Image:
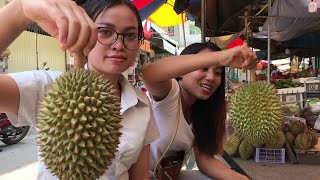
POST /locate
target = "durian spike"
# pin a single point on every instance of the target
(79, 60)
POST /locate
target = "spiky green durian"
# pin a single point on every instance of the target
(79, 122)
(246, 150)
(276, 141)
(290, 138)
(297, 127)
(232, 145)
(303, 141)
(314, 136)
(255, 112)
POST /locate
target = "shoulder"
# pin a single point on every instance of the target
(141, 96)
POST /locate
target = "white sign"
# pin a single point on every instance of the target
(169, 47)
(291, 98)
(313, 87)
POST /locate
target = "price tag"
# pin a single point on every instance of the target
(313, 87)
(291, 98)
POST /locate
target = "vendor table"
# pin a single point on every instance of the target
(269, 171)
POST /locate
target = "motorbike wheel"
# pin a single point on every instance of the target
(17, 138)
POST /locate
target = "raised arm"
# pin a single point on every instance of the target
(157, 75)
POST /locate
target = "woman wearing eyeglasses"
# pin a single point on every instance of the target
(110, 36)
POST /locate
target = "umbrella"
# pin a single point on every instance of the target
(164, 13)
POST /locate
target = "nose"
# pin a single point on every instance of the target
(210, 75)
(118, 45)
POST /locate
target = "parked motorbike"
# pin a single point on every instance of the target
(10, 134)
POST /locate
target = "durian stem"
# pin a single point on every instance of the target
(253, 75)
(79, 60)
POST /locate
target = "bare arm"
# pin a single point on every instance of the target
(12, 23)
(215, 169)
(9, 95)
(140, 169)
(157, 75)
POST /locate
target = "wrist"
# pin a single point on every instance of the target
(21, 18)
(222, 57)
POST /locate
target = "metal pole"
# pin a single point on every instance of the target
(37, 53)
(183, 31)
(203, 21)
(269, 40)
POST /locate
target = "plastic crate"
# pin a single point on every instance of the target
(269, 155)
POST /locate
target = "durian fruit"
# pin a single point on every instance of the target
(79, 122)
(303, 141)
(255, 112)
(276, 141)
(232, 145)
(314, 136)
(246, 150)
(285, 127)
(297, 127)
(290, 138)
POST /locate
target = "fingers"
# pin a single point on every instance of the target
(76, 31)
(249, 57)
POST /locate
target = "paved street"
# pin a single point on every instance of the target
(19, 161)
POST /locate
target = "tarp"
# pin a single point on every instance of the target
(291, 19)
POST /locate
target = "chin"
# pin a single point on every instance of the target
(204, 97)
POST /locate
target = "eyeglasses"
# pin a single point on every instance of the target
(108, 36)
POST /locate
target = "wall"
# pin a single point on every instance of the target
(24, 53)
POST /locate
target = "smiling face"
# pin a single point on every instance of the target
(201, 84)
(112, 60)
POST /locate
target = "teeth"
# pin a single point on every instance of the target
(206, 86)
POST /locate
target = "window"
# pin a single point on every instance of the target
(194, 30)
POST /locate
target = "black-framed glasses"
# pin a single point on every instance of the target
(108, 36)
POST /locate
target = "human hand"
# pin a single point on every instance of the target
(64, 20)
(239, 57)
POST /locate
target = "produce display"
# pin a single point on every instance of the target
(286, 83)
(79, 122)
(298, 135)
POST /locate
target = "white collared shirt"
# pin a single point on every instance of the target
(139, 127)
(167, 112)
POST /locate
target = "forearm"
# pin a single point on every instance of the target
(12, 23)
(214, 168)
(140, 169)
(217, 170)
(175, 66)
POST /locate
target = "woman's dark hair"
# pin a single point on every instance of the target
(208, 116)
(95, 7)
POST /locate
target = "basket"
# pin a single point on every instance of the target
(269, 155)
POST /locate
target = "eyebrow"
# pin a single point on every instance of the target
(113, 26)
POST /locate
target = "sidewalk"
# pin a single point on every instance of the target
(28, 172)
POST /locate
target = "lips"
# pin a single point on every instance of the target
(206, 88)
(117, 58)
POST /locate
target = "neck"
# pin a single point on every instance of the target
(187, 101)
(112, 78)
